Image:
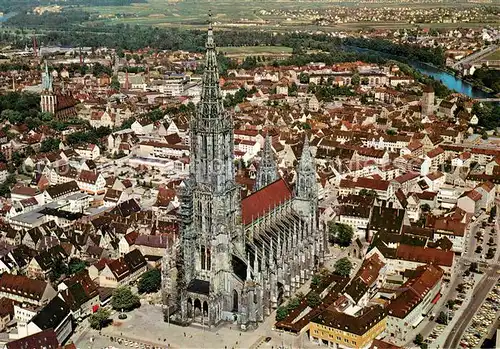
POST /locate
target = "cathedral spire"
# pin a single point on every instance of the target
(267, 172)
(211, 106)
(47, 79)
(212, 137)
(305, 158)
(210, 37)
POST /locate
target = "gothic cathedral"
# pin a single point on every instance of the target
(236, 259)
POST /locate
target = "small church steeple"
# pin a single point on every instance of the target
(47, 79)
(267, 172)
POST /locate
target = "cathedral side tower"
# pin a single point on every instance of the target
(267, 172)
(305, 185)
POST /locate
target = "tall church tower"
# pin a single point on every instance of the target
(211, 231)
(427, 101)
(267, 172)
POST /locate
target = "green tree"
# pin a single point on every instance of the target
(355, 79)
(115, 84)
(343, 267)
(124, 299)
(425, 208)
(150, 281)
(345, 235)
(49, 144)
(369, 193)
(46, 117)
(293, 304)
(99, 319)
(303, 78)
(341, 234)
(313, 299)
(442, 318)
(281, 313)
(316, 280)
(493, 213)
(419, 339)
(58, 270)
(76, 265)
(474, 267)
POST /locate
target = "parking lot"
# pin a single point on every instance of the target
(487, 314)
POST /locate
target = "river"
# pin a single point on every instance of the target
(450, 81)
(6, 16)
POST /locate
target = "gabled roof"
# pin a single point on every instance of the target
(126, 208)
(52, 315)
(80, 290)
(358, 325)
(425, 255)
(22, 286)
(58, 190)
(119, 269)
(131, 237)
(134, 260)
(46, 339)
(6, 307)
(414, 290)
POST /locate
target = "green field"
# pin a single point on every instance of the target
(495, 56)
(252, 50)
(230, 13)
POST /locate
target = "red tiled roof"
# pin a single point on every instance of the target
(415, 290)
(474, 195)
(22, 286)
(155, 241)
(364, 182)
(444, 224)
(425, 255)
(264, 200)
(435, 152)
(101, 264)
(119, 269)
(6, 307)
(88, 176)
(406, 177)
(46, 339)
(131, 237)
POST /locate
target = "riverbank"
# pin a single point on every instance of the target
(448, 79)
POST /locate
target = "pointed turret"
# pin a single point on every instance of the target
(267, 172)
(46, 79)
(306, 187)
(249, 269)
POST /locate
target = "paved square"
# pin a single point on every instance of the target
(145, 325)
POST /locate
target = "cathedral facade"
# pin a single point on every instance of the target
(236, 260)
